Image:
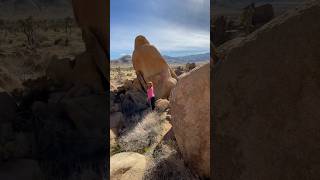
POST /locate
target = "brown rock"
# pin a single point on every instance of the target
(162, 105)
(128, 165)
(115, 108)
(190, 66)
(136, 85)
(148, 61)
(169, 136)
(80, 72)
(190, 111)
(92, 18)
(93, 15)
(179, 70)
(133, 102)
(267, 99)
(116, 120)
(113, 137)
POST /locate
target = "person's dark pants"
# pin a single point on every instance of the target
(153, 102)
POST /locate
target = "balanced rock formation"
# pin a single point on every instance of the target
(148, 62)
(190, 111)
(267, 99)
(128, 165)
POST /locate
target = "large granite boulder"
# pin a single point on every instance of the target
(190, 111)
(148, 62)
(266, 102)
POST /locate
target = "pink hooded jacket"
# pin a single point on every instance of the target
(150, 93)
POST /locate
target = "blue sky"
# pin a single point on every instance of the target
(175, 27)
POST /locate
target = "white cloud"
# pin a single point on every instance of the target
(166, 37)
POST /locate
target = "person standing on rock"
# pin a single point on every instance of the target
(151, 96)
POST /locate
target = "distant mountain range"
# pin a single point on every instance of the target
(171, 60)
(189, 58)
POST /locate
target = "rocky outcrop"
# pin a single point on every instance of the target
(128, 165)
(190, 111)
(179, 70)
(133, 102)
(148, 62)
(77, 73)
(92, 18)
(266, 101)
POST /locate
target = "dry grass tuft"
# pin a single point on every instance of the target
(142, 135)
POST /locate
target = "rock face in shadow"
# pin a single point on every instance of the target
(147, 60)
(8, 107)
(92, 17)
(262, 14)
(190, 111)
(267, 99)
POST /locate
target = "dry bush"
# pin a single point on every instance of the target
(29, 29)
(119, 75)
(142, 135)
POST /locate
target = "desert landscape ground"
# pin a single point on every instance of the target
(28, 45)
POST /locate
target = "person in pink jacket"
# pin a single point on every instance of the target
(151, 97)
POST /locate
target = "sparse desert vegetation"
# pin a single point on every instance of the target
(28, 45)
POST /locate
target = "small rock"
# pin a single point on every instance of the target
(162, 105)
(128, 165)
(116, 120)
